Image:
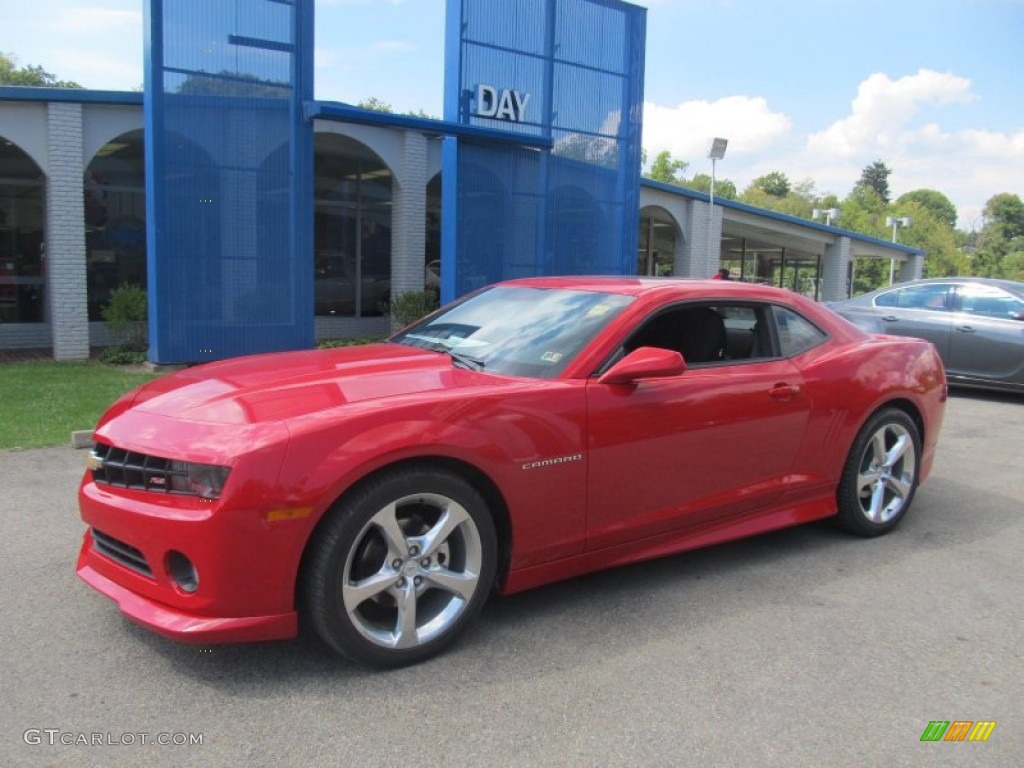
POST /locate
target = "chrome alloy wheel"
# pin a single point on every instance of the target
(888, 468)
(412, 571)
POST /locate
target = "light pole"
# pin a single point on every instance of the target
(895, 222)
(825, 213)
(716, 153)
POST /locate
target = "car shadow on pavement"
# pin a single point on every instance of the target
(610, 614)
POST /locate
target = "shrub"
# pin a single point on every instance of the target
(122, 355)
(353, 342)
(412, 305)
(125, 314)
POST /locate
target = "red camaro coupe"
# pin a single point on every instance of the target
(533, 431)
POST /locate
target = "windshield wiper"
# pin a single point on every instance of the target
(436, 344)
(464, 361)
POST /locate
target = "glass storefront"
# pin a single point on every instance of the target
(115, 219)
(22, 250)
(352, 229)
(657, 243)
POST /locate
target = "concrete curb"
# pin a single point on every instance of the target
(81, 438)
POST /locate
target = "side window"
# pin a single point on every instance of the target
(889, 299)
(930, 296)
(989, 301)
(705, 334)
(796, 333)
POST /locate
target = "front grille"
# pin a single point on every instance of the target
(122, 553)
(127, 469)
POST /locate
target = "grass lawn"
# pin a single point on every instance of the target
(42, 402)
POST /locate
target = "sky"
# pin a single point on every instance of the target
(817, 90)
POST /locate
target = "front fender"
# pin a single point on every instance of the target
(530, 444)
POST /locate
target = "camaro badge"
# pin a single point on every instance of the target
(551, 462)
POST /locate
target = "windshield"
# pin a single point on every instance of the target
(517, 330)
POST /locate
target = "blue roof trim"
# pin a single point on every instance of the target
(79, 95)
(784, 217)
(332, 110)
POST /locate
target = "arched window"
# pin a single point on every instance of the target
(22, 254)
(115, 219)
(352, 228)
(656, 243)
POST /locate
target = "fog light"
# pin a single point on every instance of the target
(182, 571)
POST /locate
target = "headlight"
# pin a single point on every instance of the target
(140, 471)
(203, 480)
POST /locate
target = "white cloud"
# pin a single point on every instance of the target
(686, 130)
(896, 120)
(884, 108)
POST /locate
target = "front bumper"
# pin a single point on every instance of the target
(246, 565)
(179, 625)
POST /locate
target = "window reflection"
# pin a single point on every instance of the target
(352, 233)
(115, 219)
(22, 256)
(518, 330)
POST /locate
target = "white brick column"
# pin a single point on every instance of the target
(911, 269)
(835, 270)
(691, 257)
(65, 233)
(409, 217)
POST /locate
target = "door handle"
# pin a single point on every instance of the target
(784, 392)
(965, 328)
(890, 318)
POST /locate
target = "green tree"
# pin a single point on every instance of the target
(379, 105)
(864, 212)
(940, 206)
(31, 75)
(1006, 212)
(226, 83)
(701, 182)
(667, 169)
(1000, 244)
(775, 184)
(375, 104)
(876, 177)
(934, 236)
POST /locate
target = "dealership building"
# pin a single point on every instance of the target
(259, 218)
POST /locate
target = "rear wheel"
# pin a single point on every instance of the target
(881, 474)
(400, 567)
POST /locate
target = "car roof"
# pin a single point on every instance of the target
(650, 286)
(1009, 285)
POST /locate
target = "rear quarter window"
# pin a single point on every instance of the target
(795, 332)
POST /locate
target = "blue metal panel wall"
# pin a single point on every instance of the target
(228, 177)
(516, 211)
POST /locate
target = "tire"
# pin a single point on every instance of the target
(400, 567)
(880, 476)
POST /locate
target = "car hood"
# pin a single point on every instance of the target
(279, 387)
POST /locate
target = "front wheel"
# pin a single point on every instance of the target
(881, 474)
(400, 567)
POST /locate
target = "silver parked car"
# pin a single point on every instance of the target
(976, 323)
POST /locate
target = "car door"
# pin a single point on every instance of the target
(715, 441)
(987, 342)
(923, 311)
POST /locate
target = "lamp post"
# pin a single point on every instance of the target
(895, 222)
(716, 152)
(825, 213)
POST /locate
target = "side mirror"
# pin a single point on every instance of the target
(644, 363)
(1017, 314)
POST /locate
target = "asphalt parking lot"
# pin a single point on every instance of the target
(804, 647)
